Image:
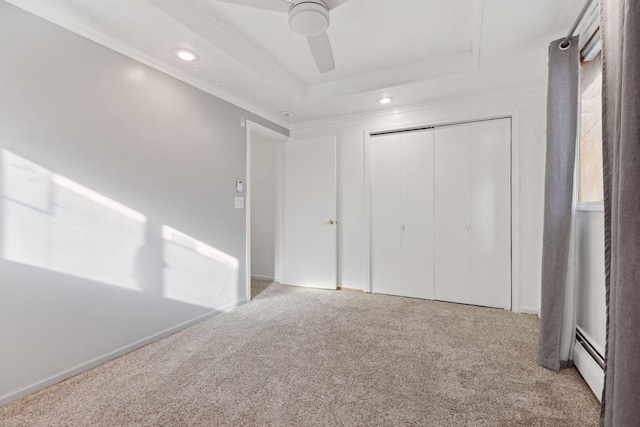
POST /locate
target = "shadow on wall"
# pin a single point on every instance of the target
(53, 223)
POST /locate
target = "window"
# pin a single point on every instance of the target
(590, 184)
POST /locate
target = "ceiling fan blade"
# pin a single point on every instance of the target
(332, 4)
(275, 5)
(322, 52)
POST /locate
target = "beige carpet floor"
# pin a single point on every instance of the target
(258, 286)
(303, 357)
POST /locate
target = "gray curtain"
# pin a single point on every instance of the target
(557, 319)
(621, 152)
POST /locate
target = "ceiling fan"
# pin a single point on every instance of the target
(309, 18)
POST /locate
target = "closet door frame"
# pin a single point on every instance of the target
(514, 116)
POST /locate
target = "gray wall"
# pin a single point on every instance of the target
(117, 216)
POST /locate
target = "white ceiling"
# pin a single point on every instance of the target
(379, 34)
(416, 51)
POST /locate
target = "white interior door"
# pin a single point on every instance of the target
(490, 241)
(452, 210)
(386, 214)
(417, 215)
(310, 211)
(473, 213)
(402, 214)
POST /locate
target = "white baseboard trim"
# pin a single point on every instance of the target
(39, 385)
(589, 369)
(258, 277)
(529, 310)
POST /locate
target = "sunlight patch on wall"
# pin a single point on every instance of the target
(98, 198)
(197, 273)
(54, 223)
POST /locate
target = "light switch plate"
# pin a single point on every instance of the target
(239, 202)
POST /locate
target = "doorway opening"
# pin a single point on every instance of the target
(264, 208)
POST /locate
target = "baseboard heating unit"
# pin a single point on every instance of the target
(590, 363)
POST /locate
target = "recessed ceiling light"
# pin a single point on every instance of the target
(186, 55)
(384, 100)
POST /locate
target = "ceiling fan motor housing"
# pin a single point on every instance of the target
(309, 18)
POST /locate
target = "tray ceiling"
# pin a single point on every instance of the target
(415, 51)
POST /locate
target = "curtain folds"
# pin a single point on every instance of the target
(557, 315)
(621, 152)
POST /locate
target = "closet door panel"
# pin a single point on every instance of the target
(386, 214)
(417, 211)
(452, 213)
(490, 220)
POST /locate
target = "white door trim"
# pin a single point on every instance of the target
(252, 127)
(511, 113)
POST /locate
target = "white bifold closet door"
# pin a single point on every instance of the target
(402, 253)
(441, 213)
(473, 213)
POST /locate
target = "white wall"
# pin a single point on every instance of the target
(117, 221)
(591, 315)
(591, 310)
(266, 157)
(528, 108)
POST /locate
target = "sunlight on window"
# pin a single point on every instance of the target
(590, 188)
(57, 224)
(197, 273)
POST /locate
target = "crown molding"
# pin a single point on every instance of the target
(536, 88)
(393, 77)
(49, 14)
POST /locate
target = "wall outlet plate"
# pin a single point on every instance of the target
(239, 202)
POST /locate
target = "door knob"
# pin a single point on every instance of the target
(331, 222)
